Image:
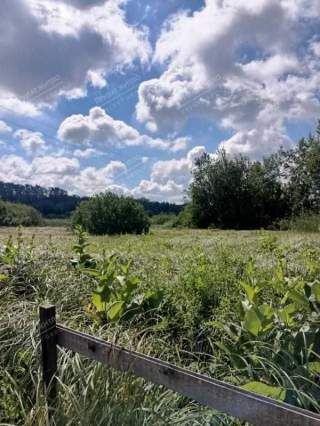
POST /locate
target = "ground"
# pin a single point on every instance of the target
(198, 274)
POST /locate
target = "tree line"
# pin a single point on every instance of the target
(238, 193)
(56, 202)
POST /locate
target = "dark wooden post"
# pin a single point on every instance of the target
(48, 336)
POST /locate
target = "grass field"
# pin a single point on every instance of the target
(199, 322)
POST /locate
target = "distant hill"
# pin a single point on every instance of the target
(56, 202)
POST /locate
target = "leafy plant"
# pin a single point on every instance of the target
(83, 259)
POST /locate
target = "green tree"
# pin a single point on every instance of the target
(301, 174)
(109, 213)
(235, 192)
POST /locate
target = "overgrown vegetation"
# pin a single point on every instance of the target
(13, 214)
(239, 193)
(111, 214)
(239, 306)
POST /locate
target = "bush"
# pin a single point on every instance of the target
(306, 222)
(184, 219)
(166, 220)
(12, 214)
(111, 214)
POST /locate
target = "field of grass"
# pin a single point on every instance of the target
(238, 306)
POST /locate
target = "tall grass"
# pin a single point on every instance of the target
(199, 273)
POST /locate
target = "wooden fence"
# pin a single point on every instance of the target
(226, 398)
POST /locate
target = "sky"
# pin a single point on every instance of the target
(125, 95)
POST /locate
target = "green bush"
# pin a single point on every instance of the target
(166, 220)
(184, 218)
(111, 214)
(12, 214)
(306, 222)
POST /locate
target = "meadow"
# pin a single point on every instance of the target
(240, 306)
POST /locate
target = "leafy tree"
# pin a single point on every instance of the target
(301, 174)
(235, 192)
(108, 213)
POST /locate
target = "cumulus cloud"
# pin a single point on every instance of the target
(99, 128)
(63, 172)
(4, 128)
(31, 142)
(244, 70)
(256, 142)
(84, 153)
(170, 191)
(169, 179)
(59, 46)
(47, 165)
(177, 170)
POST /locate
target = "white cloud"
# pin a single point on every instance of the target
(47, 165)
(99, 128)
(178, 171)
(31, 142)
(9, 103)
(69, 46)
(4, 128)
(245, 70)
(170, 191)
(96, 79)
(256, 142)
(63, 172)
(169, 179)
(84, 153)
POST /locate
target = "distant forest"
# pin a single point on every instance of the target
(56, 202)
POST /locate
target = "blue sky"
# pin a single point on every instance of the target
(125, 95)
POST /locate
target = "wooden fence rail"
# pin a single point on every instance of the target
(226, 398)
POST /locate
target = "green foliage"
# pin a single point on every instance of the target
(18, 267)
(188, 306)
(116, 294)
(12, 214)
(301, 170)
(306, 222)
(83, 259)
(184, 219)
(238, 193)
(111, 214)
(166, 220)
(235, 193)
(280, 314)
(274, 392)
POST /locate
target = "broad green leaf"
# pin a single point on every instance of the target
(285, 314)
(252, 322)
(115, 310)
(314, 367)
(3, 277)
(98, 303)
(266, 310)
(250, 291)
(298, 298)
(316, 291)
(275, 392)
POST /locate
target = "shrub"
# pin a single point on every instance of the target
(166, 220)
(12, 214)
(110, 214)
(184, 219)
(306, 222)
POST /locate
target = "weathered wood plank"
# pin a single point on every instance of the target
(48, 335)
(221, 396)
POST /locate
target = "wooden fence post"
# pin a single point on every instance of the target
(48, 335)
